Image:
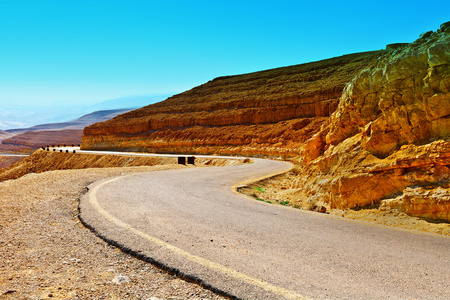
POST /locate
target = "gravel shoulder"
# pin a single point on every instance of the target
(45, 252)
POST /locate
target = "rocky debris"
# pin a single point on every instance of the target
(45, 252)
(264, 113)
(120, 279)
(396, 46)
(429, 202)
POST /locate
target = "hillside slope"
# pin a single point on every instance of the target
(367, 130)
(387, 146)
(264, 113)
(4, 135)
(36, 139)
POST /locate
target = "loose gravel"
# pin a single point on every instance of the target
(45, 252)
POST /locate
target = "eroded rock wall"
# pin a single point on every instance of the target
(264, 113)
(389, 136)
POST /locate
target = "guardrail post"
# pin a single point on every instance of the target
(191, 160)
(181, 160)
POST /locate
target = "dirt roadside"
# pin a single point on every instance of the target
(45, 252)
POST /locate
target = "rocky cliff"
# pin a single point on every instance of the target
(264, 113)
(368, 129)
(388, 141)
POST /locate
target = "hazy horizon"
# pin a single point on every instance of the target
(71, 54)
(24, 116)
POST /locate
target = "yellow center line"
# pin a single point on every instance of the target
(200, 260)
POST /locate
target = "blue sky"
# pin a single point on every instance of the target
(78, 52)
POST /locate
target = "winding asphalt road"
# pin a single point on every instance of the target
(190, 220)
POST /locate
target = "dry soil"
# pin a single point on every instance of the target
(45, 252)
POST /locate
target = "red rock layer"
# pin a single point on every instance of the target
(262, 113)
(37, 139)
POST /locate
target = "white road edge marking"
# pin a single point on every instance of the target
(200, 260)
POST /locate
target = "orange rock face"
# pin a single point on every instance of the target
(390, 135)
(366, 128)
(265, 113)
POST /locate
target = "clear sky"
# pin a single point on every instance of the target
(85, 51)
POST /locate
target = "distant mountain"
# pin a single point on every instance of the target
(4, 135)
(80, 123)
(70, 132)
(15, 116)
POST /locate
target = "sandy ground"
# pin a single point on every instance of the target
(45, 252)
(277, 190)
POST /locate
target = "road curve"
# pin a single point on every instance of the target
(191, 221)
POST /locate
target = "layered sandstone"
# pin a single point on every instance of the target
(264, 113)
(389, 138)
(37, 139)
(366, 129)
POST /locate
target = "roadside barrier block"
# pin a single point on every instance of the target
(181, 160)
(191, 160)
